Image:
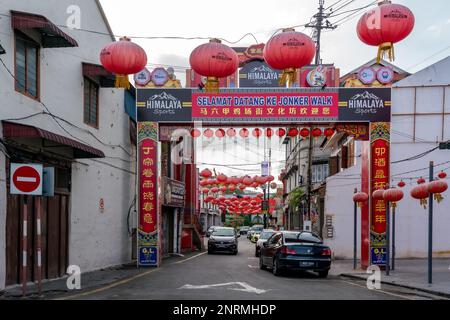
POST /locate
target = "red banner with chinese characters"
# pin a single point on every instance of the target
(148, 186)
(379, 174)
(265, 105)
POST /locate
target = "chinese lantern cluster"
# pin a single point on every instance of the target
(384, 26)
(246, 205)
(268, 132)
(222, 183)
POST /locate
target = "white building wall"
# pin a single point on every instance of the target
(421, 119)
(96, 239)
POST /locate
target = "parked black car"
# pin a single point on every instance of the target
(223, 239)
(295, 250)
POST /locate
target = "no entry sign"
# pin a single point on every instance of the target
(26, 179)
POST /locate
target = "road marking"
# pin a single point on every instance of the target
(245, 287)
(196, 256)
(253, 267)
(121, 282)
(382, 291)
(112, 285)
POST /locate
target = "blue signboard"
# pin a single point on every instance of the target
(148, 256)
(378, 255)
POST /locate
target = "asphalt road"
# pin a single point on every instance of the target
(224, 277)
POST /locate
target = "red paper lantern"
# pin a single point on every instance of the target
(220, 133)
(214, 60)
(257, 133)
(269, 133)
(205, 190)
(437, 187)
(247, 181)
(195, 133)
(234, 180)
(242, 187)
(421, 193)
(214, 190)
(123, 58)
(317, 132)
(206, 173)
(204, 183)
(360, 198)
(255, 184)
(329, 132)
(304, 133)
(293, 132)
(401, 184)
(222, 178)
(231, 132)
(442, 175)
(223, 189)
(270, 178)
(260, 195)
(393, 196)
(420, 181)
(385, 25)
(232, 187)
(288, 51)
(281, 132)
(208, 133)
(243, 133)
(378, 194)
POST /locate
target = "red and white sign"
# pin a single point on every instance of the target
(26, 179)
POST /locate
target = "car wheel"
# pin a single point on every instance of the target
(256, 253)
(276, 268)
(261, 264)
(235, 252)
(323, 274)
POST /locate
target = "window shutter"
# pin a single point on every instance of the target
(333, 165)
(344, 163)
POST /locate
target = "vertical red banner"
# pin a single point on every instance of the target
(379, 173)
(148, 204)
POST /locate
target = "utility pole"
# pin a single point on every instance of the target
(320, 22)
(309, 173)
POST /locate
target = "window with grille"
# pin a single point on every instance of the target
(27, 66)
(91, 102)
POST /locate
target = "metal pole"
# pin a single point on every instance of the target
(355, 222)
(430, 229)
(39, 244)
(388, 231)
(309, 182)
(393, 238)
(24, 244)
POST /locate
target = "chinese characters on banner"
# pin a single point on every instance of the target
(380, 137)
(265, 105)
(148, 241)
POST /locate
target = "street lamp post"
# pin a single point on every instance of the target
(430, 229)
(388, 231)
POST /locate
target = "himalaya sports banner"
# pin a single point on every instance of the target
(281, 105)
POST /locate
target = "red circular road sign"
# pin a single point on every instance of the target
(26, 179)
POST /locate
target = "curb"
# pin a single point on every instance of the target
(396, 284)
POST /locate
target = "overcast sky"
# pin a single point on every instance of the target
(233, 19)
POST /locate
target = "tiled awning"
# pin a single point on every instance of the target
(52, 36)
(13, 130)
(99, 74)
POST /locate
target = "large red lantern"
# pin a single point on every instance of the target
(269, 133)
(281, 132)
(393, 196)
(257, 132)
(205, 190)
(220, 133)
(442, 175)
(421, 193)
(243, 133)
(360, 198)
(231, 132)
(214, 60)
(436, 188)
(293, 132)
(288, 51)
(317, 132)
(123, 58)
(329, 132)
(222, 178)
(385, 25)
(195, 133)
(208, 133)
(247, 181)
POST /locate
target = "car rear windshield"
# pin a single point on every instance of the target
(257, 228)
(302, 237)
(223, 232)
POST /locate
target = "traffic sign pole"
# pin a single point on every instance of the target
(39, 243)
(24, 244)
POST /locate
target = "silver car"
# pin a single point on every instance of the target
(265, 234)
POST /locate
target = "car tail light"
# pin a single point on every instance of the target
(286, 250)
(326, 252)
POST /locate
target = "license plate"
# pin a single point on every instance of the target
(306, 264)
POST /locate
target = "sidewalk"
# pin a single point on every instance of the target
(408, 273)
(89, 280)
